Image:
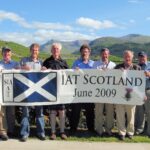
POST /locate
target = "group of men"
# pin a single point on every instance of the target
(99, 117)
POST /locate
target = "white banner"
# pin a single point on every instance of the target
(72, 86)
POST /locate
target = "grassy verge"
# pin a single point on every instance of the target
(87, 136)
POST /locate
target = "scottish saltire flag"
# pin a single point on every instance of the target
(35, 87)
(30, 87)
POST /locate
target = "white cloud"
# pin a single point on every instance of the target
(95, 24)
(41, 36)
(22, 38)
(14, 17)
(50, 26)
(65, 36)
(33, 25)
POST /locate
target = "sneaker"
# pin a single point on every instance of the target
(4, 137)
(121, 137)
(63, 136)
(24, 138)
(53, 136)
(41, 137)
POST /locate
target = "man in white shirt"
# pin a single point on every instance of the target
(108, 122)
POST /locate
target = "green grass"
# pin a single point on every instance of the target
(136, 139)
(86, 136)
(83, 135)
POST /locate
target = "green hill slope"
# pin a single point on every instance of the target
(133, 42)
(19, 50)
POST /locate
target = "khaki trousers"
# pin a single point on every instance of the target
(124, 128)
(2, 120)
(62, 116)
(100, 120)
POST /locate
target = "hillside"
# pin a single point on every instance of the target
(134, 42)
(18, 50)
(136, 38)
(68, 47)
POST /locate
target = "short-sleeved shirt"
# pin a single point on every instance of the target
(80, 64)
(10, 65)
(146, 67)
(101, 65)
(35, 65)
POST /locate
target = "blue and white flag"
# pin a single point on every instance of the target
(29, 87)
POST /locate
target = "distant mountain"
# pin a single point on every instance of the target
(136, 38)
(116, 45)
(68, 47)
(135, 42)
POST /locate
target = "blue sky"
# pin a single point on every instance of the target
(27, 21)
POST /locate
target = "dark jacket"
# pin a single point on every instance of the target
(132, 67)
(51, 63)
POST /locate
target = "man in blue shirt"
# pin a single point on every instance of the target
(82, 63)
(145, 108)
(32, 63)
(9, 111)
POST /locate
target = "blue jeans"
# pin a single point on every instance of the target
(25, 126)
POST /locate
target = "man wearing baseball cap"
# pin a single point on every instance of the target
(145, 108)
(7, 114)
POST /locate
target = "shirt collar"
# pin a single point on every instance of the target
(83, 61)
(9, 62)
(30, 58)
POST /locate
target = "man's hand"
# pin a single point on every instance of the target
(147, 73)
(43, 68)
(26, 67)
